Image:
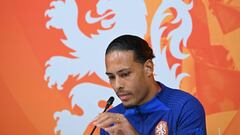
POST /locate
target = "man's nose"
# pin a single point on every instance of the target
(118, 83)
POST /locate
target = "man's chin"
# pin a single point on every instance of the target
(128, 105)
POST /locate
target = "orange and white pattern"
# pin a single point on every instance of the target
(52, 59)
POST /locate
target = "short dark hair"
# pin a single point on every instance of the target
(140, 47)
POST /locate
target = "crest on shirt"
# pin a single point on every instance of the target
(161, 128)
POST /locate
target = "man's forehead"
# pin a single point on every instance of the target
(119, 58)
(120, 53)
(119, 71)
(119, 61)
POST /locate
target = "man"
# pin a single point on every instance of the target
(148, 107)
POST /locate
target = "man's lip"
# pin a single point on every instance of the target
(124, 96)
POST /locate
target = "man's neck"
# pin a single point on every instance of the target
(154, 89)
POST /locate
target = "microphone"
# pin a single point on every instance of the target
(109, 103)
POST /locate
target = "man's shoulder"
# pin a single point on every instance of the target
(177, 98)
(178, 93)
(186, 109)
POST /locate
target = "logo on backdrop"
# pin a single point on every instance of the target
(116, 18)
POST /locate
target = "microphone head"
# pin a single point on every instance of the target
(110, 101)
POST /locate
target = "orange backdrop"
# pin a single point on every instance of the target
(27, 104)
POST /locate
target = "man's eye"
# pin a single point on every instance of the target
(125, 74)
(111, 77)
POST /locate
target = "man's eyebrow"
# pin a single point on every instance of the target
(108, 73)
(122, 70)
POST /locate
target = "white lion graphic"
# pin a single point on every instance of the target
(129, 18)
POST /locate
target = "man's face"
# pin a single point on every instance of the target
(127, 77)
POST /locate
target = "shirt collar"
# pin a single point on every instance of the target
(151, 106)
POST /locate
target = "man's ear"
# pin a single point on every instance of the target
(148, 67)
